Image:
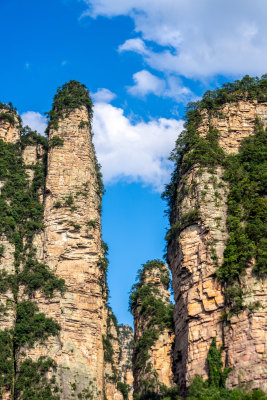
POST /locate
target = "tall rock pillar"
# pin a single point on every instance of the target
(72, 247)
(212, 298)
(153, 330)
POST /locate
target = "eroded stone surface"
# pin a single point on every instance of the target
(194, 255)
(71, 248)
(235, 121)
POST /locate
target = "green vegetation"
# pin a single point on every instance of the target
(146, 302)
(69, 96)
(185, 220)
(9, 113)
(190, 148)
(124, 389)
(7, 117)
(84, 124)
(211, 389)
(56, 141)
(32, 326)
(32, 382)
(247, 212)
(109, 337)
(108, 341)
(245, 173)
(92, 223)
(163, 393)
(29, 137)
(103, 265)
(21, 217)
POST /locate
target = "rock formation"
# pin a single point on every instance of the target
(59, 339)
(118, 348)
(72, 249)
(153, 330)
(126, 338)
(53, 288)
(214, 251)
(9, 124)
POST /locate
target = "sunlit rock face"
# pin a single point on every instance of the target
(9, 124)
(194, 255)
(72, 248)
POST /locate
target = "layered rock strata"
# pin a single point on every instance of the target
(153, 336)
(196, 249)
(72, 249)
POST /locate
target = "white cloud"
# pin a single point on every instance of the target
(137, 45)
(103, 96)
(127, 151)
(199, 38)
(146, 83)
(35, 121)
(133, 152)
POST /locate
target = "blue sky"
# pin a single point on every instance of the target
(142, 60)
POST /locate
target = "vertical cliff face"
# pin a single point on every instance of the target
(214, 251)
(53, 261)
(118, 348)
(112, 356)
(126, 338)
(72, 249)
(153, 334)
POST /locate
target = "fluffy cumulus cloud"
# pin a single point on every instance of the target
(146, 83)
(133, 152)
(35, 121)
(194, 38)
(103, 96)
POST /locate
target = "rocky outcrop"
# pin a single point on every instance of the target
(9, 124)
(197, 241)
(153, 334)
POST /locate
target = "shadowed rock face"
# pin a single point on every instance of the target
(156, 370)
(126, 338)
(194, 255)
(118, 349)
